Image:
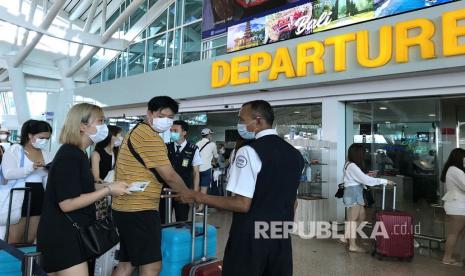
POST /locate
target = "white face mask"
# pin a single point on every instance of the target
(118, 141)
(162, 124)
(3, 136)
(100, 135)
(40, 144)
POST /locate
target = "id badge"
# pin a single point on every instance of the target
(185, 162)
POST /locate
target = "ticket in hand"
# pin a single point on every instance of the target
(138, 186)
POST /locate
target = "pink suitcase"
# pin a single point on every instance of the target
(399, 227)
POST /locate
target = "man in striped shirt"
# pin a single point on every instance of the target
(143, 160)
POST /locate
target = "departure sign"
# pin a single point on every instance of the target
(394, 45)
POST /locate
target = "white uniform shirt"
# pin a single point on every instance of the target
(245, 169)
(11, 166)
(197, 161)
(207, 153)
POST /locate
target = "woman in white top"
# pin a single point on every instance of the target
(453, 174)
(32, 149)
(355, 180)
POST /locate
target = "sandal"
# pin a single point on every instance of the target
(358, 250)
(342, 241)
(453, 263)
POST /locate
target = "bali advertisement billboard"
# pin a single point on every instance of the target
(219, 15)
(314, 16)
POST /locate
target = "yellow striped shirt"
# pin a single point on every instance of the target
(151, 148)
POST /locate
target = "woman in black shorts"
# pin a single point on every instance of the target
(71, 190)
(23, 166)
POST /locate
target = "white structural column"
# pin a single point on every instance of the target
(88, 24)
(30, 18)
(64, 101)
(54, 10)
(103, 24)
(18, 87)
(107, 35)
(333, 124)
(81, 8)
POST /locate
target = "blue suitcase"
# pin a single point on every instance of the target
(10, 265)
(176, 243)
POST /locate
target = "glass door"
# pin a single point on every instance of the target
(403, 141)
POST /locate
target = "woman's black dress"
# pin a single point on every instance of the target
(69, 177)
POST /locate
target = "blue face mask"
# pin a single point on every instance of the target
(175, 136)
(244, 133)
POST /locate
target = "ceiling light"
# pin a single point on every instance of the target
(296, 112)
(432, 115)
(388, 122)
(383, 108)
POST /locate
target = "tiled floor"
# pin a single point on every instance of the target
(326, 257)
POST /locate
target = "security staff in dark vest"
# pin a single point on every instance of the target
(185, 159)
(264, 179)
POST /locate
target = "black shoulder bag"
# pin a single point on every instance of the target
(97, 238)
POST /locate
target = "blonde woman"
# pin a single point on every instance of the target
(71, 190)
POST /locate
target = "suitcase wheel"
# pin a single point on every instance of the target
(405, 259)
(378, 256)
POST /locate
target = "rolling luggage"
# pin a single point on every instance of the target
(205, 266)
(177, 242)
(9, 263)
(399, 228)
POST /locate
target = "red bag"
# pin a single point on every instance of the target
(204, 268)
(399, 227)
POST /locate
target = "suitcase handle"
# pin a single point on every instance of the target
(394, 197)
(169, 198)
(27, 190)
(205, 231)
(168, 204)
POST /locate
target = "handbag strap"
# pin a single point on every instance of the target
(204, 146)
(75, 224)
(344, 171)
(21, 161)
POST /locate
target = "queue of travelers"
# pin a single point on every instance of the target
(61, 190)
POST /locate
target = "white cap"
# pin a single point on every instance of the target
(206, 131)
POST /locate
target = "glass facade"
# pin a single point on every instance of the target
(214, 47)
(156, 53)
(404, 143)
(172, 39)
(136, 56)
(192, 35)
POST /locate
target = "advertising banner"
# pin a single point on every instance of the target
(218, 15)
(313, 16)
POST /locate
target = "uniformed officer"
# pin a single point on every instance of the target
(264, 178)
(185, 159)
